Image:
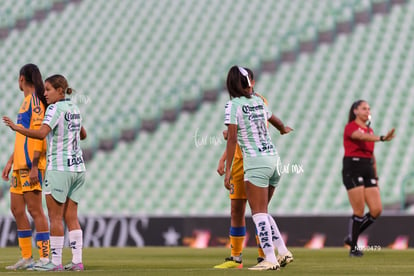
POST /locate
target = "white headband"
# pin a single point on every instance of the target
(246, 74)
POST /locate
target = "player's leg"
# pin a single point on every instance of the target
(238, 209)
(353, 180)
(71, 219)
(257, 198)
(373, 200)
(258, 172)
(55, 189)
(75, 235)
(237, 227)
(237, 233)
(33, 198)
(34, 206)
(284, 256)
(356, 199)
(24, 230)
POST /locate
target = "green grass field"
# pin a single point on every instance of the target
(168, 261)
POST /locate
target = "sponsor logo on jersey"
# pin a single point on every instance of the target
(247, 108)
(26, 184)
(37, 109)
(256, 117)
(265, 147)
(74, 126)
(75, 161)
(69, 116)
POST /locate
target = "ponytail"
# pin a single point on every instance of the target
(32, 75)
(69, 91)
(352, 116)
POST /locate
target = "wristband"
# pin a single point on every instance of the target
(382, 138)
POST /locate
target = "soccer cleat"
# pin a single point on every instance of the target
(48, 267)
(355, 253)
(283, 260)
(260, 259)
(37, 263)
(265, 265)
(74, 267)
(230, 263)
(22, 264)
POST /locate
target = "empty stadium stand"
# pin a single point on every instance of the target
(150, 77)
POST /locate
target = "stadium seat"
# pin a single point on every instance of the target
(153, 57)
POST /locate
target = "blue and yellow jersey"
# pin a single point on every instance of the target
(30, 116)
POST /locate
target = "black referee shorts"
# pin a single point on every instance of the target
(357, 171)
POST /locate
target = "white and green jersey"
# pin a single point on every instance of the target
(63, 150)
(250, 115)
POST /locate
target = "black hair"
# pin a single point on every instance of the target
(352, 116)
(32, 75)
(237, 83)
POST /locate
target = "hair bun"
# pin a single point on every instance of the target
(69, 91)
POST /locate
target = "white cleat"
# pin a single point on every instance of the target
(285, 259)
(265, 265)
(21, 264)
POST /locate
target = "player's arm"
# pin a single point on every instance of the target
(230, 150)
(7, 168)
(222, 162)
(367, 137)
(83, 134)
(40, 133)
(277, 123)
(38, 148)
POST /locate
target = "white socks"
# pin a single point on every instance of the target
(264, 233)
(76, 244)
(56, 246)
(277, 237)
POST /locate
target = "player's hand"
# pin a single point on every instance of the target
(34, 176)
(220, 167)
(286, 130)
(6, 172)
(227, 179)
(390, 135)
(8, 122)
(225, 134)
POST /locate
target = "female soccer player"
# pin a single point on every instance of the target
(65, 173)
(246, 118)
(238, 203)
(29, 163)
(359, 172)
